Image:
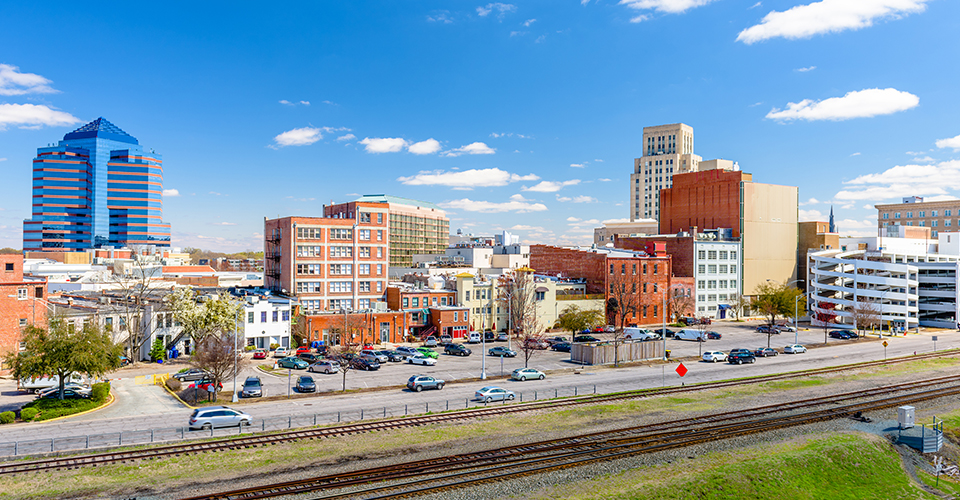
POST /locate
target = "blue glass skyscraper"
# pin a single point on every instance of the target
(95, 188)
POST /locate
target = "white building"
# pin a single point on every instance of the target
(717, 274)
(266, 320)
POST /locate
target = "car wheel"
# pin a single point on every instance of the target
(487, 399)
(510, 397)
(207, 426)
(541, 377)
(523, 379)
(739, 361)
(439, 387)
(244, 422)
(418, 388)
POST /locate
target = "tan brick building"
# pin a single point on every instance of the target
(936, 215)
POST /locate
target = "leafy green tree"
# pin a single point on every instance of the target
(576, 320)
(158, 351)
(774, 299)
(61, 350)
(202, 317)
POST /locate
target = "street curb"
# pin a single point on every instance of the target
(261, 370)
(184, 403)
(108, 403)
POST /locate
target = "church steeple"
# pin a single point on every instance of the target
(833, 227)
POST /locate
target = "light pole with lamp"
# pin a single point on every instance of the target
(236, 333)
(483, 348)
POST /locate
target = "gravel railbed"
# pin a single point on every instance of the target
(533, 483)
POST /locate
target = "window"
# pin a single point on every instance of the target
(711, 298)
(946, 213)
(611, 268)
(363, 269)
(733, 255)
(455, 316)
(921, 223)
(434, 302)
(733, 269)
(886, 216)
(701, 254)
(933, 224)
(341, 252)
(655, 288)
(379, 286)
(467, 294)
(921, 213)
(644, 288)
(655, 268)
(712, 285)
(540, 295)
(723, 284)
(723, 269)
(379, 252)
(933, 213)
(712, 254)
(308, 233)
(21, 294)
(341, 234)
(341, 269)
(365, 217)
(443, 301)
(309, 251)
(341, 286)
(363, 303)
(654, 311)
(379, 269)
(623, 269)
(416, 302)
(733, 284)
(946, 223)
(286, 315)
(23, 322)
(363, 286)
(380, 218)
(365, 234)
(309, 287)
(341, 304)
(723, 255)
(276, 316)
(263, 316)
(308, 268)
(404, 302)
(701, 284)
(712, 269)
(701, 269)
(8, 266)
(909, 215)
(644, 311)
(364, 252)
(379, 235)
(896, 215)
(250, 317)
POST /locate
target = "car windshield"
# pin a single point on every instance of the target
(251, 383)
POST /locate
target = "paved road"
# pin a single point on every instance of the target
(144, 407)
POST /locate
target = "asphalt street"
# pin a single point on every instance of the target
(142, 407)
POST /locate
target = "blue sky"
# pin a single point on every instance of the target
(523, 116)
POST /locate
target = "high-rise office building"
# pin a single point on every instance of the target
(667, 150)
(95, 188)
(416, 227)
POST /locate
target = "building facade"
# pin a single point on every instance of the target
(667, 150)
(814, 237)
(19, 309)
(416, 227)
(613, 229)
(266, 321)
(939, 216)
(330, 263)
(97, 187)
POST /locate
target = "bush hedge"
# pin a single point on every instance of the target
(7, 417)
(174, 384)
(53, 408)
(100, 392)
(27, 414)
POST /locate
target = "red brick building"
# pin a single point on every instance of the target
(705, 199)
(19, 297)
(640, 280)
(450, 320)
(417, 302)
(368, 327)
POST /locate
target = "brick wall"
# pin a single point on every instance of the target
(18, 308)
(368, 325)
(678, 247)
(707, 199)
(570, 263)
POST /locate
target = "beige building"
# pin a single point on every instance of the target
(667, 150)
(416, 227)
(814, 237)
(623, 228)
(936, 215)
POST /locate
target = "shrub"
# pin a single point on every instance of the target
(7, 417)
(174, 384)
(99, 392)
(273, 347)
(192, 396)
(27, 414)
(158, 351)
(249, 348)
(53, 408)
(182, 370)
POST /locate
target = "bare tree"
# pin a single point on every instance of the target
(217, 354)
(702, 323)
(866, 315)
(825, 314)
(680, 303)
(134, 285)
(738, 303)
(344, 354)
(517, 290)
(624, 297)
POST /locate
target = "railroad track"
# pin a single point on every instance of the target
(264, 439)
(464, 470)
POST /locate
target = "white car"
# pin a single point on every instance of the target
(420, 359)
(281, 352)
(786, 328)
(714, 356)
(524, 374)
(794, 349)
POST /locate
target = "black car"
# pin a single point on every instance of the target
(67, 394)
(561, 347)
(713, 335)
(741, 356)
(665, 332)
(457, 349)
(322, 350)
(310, 358)
(585, 338)
(392, 356)
(364, 364)
(305, 383)
(840, 334)
(252, 388)
(192, 374)
(767, 329)
(489, 336)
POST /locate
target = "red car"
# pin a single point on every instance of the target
(259, 354)
(204, 384)
(367, 347)
(302, 350)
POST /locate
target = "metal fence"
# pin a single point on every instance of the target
(171, 434)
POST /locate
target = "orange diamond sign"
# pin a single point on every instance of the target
(681, 370)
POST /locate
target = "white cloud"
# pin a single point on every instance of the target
(476, 148)
(493, 207)
(904, 180)
(577, 199)
(348, 137)
(808, 68)
(587, 222)
(811, 201)
(519, 197)
(288, 103)
(857, 104)
(528, 22)
(518, 33)
(869, 207)
(3, 159)
(33, 116)
(810, 215)
(299, 137)
(754, 6)
(383, 144)
(827, 16)
(13, 82)
(942, 197)
(856, 154)
(540, 39)
(953, 142)
(170, 193)
(578, 165)
(426, 147)
(598, 160)
(524, 227)
(487, 177)
(501, 8)
(496, 135)
(441, 17)
(550, 186)
(639, 19)
(224, 223)
(604, 179)
(923, 159)
(573, 219)
(664, 6)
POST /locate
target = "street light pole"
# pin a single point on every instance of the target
(236, 333)
(483, 348)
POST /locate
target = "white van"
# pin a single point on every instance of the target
(36, 385)
(639, 334)
(688, 334)
(474, 338)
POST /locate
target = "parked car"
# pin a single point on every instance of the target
(489, 336)
(426, 351)
(787, 328)
(393, 356)
(585, 338)
(555, 340)
(535, 344)
(259, 354)
(794, 349)
(321, 349)
(280, 352)
(407, 351)
(305, 383)
(690, 334)
(70, 385)
(740, 357)
(474, 338)
(501, 351)
(457, 350)
(381, 358)
(839, 334)
(292, 362)
(523, 374)
(252, 388)
(302, 350)
(217, 416)
(639, 334)
(203, 384)
(325, 366)
(561, 347)
(367, 347)
(491, 393)
(445, 339)
(609, 329)
(665, 332)
(714, 356)
(765, 352)
(853, 334)
(191, 375)
(364, 363)
(502, 337)
(767, 329)
(310, 358)
(420, 359)
(67, 394)
(430, 342)
(418, 383)
(712, 335)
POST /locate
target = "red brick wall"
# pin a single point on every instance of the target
(31, 310)
(652, 277)
(707, 199)
(570, 263)
(315, 324)
(443, 320)
(680, 248)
